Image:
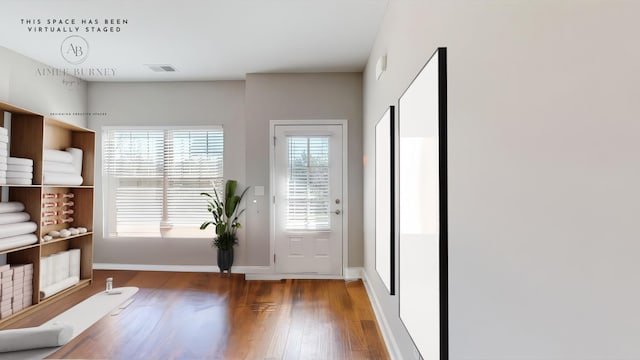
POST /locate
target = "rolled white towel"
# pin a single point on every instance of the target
(19, 161)
(17, 241)
(13, 218)
(54, 178)
(57, 155)
(76, 155)
(59, 286)
(58, 167)
(20, 168)
(15, 229)
(4, 138)
(18, 181)
(10, 207)
(20, 174)
(35, 337)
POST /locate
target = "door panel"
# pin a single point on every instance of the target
(308, 197)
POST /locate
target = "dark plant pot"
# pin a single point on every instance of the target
(225, 260)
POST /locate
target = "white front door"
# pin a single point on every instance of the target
(308, 199)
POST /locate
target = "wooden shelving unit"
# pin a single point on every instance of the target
(31, 134)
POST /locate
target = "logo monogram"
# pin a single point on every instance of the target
(75, 49)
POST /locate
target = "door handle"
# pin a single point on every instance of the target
(338, 212)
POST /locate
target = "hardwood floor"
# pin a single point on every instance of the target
(206, 316)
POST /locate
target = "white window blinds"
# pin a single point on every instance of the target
(154, 177)
(308, 183)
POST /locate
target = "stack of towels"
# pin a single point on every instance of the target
(62, 167)
(19, 171)
(6, 291)
(59, 271)
(16, 291)
(15, 228)
(4, 154)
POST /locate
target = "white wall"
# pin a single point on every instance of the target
(157, 104)
(543, 171)
(26, 83)
(301, 97)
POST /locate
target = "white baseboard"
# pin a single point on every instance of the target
(349, 274)
(353, 273)
(179, 268)
(387, 334)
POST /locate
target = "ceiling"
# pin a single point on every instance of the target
(201, 39)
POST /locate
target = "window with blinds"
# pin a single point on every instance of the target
(308, 183)
(153, 178)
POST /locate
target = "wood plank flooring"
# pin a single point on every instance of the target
(206, 316)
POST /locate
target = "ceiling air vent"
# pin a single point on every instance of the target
(162, 68)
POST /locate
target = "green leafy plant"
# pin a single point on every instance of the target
(225, 215)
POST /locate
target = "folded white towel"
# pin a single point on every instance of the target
(54, 178)
(18, 181)
(20, 174)
(17, 241)
(59, 167)
(3, 166)
(10, 207)
(13, 218)
(4, 138)
(3, 181)
(4, 131)
(57, 155)
(19, 161)
(76, 154)
(21, 168)
(22, 228)
(3, 150)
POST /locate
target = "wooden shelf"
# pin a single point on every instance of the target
(47, 133)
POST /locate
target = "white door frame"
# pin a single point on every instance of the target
(345, 194)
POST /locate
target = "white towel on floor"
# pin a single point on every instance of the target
(55, 178)
(10, 207)
(4, 138)
(57, 155)
(18, 181)
(14, 218)
(19, 161)
(8, 230)
(58, 167)
(21, 168)
(19, 174)
(13, 242)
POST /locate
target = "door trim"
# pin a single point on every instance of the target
(345, 187)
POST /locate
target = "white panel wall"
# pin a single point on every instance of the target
(543, 171)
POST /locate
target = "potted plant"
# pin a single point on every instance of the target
(225, 219)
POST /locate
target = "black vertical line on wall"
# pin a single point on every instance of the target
(444, 220)
(392, 172)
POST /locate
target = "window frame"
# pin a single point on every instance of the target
(108, 197)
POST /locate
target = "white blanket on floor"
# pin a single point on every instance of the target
(35, 337)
